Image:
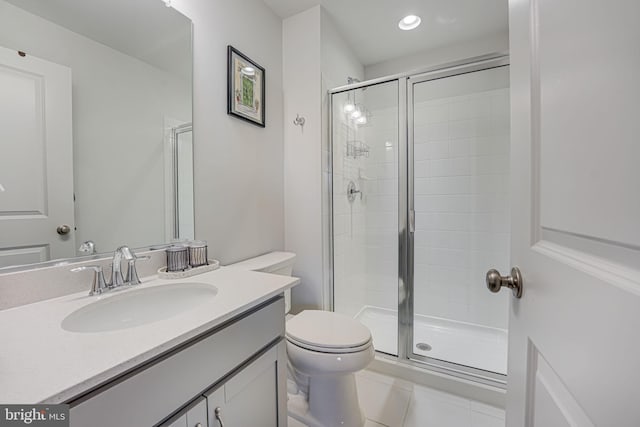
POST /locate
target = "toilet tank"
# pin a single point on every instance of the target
(275, 263)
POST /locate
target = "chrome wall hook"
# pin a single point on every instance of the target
(299, 121)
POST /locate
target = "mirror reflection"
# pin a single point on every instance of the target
(95, 110)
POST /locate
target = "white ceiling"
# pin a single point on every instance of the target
(370, 27)
(145, 29)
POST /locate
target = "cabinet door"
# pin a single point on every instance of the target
(180, 421)
(252, 396)
(215, 403)
(197, 415)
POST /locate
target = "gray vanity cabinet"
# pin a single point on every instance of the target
(239, 367)
(249, 398)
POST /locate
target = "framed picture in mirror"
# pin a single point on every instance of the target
(245, 88)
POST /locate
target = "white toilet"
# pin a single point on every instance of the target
(325, 349)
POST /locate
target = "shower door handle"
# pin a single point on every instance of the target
(495, 281)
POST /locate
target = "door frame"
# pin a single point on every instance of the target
(172, 129)
(406, 207)
(175, 133)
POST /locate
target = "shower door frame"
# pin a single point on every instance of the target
(175, 149)
(406, 216)
(406, 306)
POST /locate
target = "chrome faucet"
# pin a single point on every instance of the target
(99, 285)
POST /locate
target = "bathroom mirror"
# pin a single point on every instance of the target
(94, 99)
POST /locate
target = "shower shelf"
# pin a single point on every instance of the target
(357, 149)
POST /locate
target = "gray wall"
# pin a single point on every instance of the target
(238, 167)
(316, 58)
(303, 232)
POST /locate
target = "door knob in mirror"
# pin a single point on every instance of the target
(63, 229)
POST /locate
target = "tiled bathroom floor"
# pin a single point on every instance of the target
(391, 402)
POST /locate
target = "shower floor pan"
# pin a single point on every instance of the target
(463, 343)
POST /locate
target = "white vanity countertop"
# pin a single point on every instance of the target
(41, 362)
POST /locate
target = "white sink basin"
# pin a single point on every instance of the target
(138, 307)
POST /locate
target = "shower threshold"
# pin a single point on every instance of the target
(457, 342)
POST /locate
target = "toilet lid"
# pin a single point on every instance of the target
(319, 329)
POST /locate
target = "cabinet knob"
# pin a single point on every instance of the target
(218, 414)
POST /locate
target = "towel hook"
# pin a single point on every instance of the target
(299, 121)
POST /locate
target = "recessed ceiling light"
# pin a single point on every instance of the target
(409, 22)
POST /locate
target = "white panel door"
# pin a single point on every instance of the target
(574, 353)
(36, 160)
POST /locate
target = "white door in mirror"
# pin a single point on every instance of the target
(36, 159)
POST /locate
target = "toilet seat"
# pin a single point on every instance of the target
(327, 332)
(332, 350)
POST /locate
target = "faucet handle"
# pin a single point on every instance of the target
(98, 285)
(116, 276)
(127, 253)
(132, 273)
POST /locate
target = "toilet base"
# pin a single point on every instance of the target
(332, 401)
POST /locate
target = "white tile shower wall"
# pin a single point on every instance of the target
(349, 218)
(382, 205)
(366, 238)
(462, 207)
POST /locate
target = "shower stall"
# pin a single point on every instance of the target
(420, 211)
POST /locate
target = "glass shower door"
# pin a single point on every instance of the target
(365, 209)
(459, 172)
